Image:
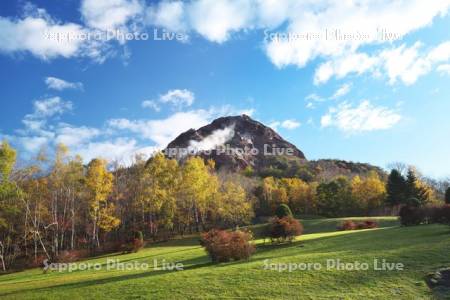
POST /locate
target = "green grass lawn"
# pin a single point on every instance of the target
(421, 249)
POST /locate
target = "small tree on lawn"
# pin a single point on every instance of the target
(284, 229)
(283, 211)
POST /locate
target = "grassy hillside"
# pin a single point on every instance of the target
(421, 249)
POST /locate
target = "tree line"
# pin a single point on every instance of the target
(53, 206)
(58, 204)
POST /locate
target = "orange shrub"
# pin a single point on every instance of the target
(223, 246)
(350, 225)
(286, 228)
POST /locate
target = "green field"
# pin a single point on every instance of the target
(421, 249)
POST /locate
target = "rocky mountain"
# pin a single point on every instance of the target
(235, 143)
(238, 142)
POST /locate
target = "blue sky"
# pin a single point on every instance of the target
(363, 99)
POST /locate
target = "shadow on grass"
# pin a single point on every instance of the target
(190, 264)
(355, 241)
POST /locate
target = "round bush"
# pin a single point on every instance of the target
(282, 229)
(223, 246)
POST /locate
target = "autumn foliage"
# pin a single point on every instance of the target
(354, 225)
(284, 229)
(223, 246)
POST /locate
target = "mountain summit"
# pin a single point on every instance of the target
(234, 143)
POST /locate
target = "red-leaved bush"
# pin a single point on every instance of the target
(223, 246)
(351, 225)
(286, 228)
(368, 224)
(347, 225)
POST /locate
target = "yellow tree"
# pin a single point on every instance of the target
(233, 206)
(301, 195)
(99, 184)
(9, 209)
(159, 185)
(368, 193)
(197, 191)
(268, 186)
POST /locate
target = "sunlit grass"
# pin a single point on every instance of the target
(421, 249)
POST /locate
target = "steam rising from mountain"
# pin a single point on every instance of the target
(217, 138)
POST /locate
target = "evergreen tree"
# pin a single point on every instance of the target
(447, 196)
(417, 193)
(396, 188)
(283, 211)
(411, 188)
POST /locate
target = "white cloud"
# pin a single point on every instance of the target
(342, 91)
(286, 124)
(169, 15)
(47, 38)
(340, 67)
(38, 35)
(36, 132)
(405, 64)
(290, 124)
(408, 64)
(177, 98)
(441, 53)
(74, 136)
(220, 20)
(110, 15)
(402, 63)
(33, 143)
(314, 97)
(216, 19)
(49, 107)
(151, 104)
(119, 149)
(361, 118)
(348, 17)
(310, 105)
(164, 131)
(33, 124)
(60, 84)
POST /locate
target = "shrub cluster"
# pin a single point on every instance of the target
(351, 225)
(412, 215)
(133, 244)
(284, 229)
(223, 246)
